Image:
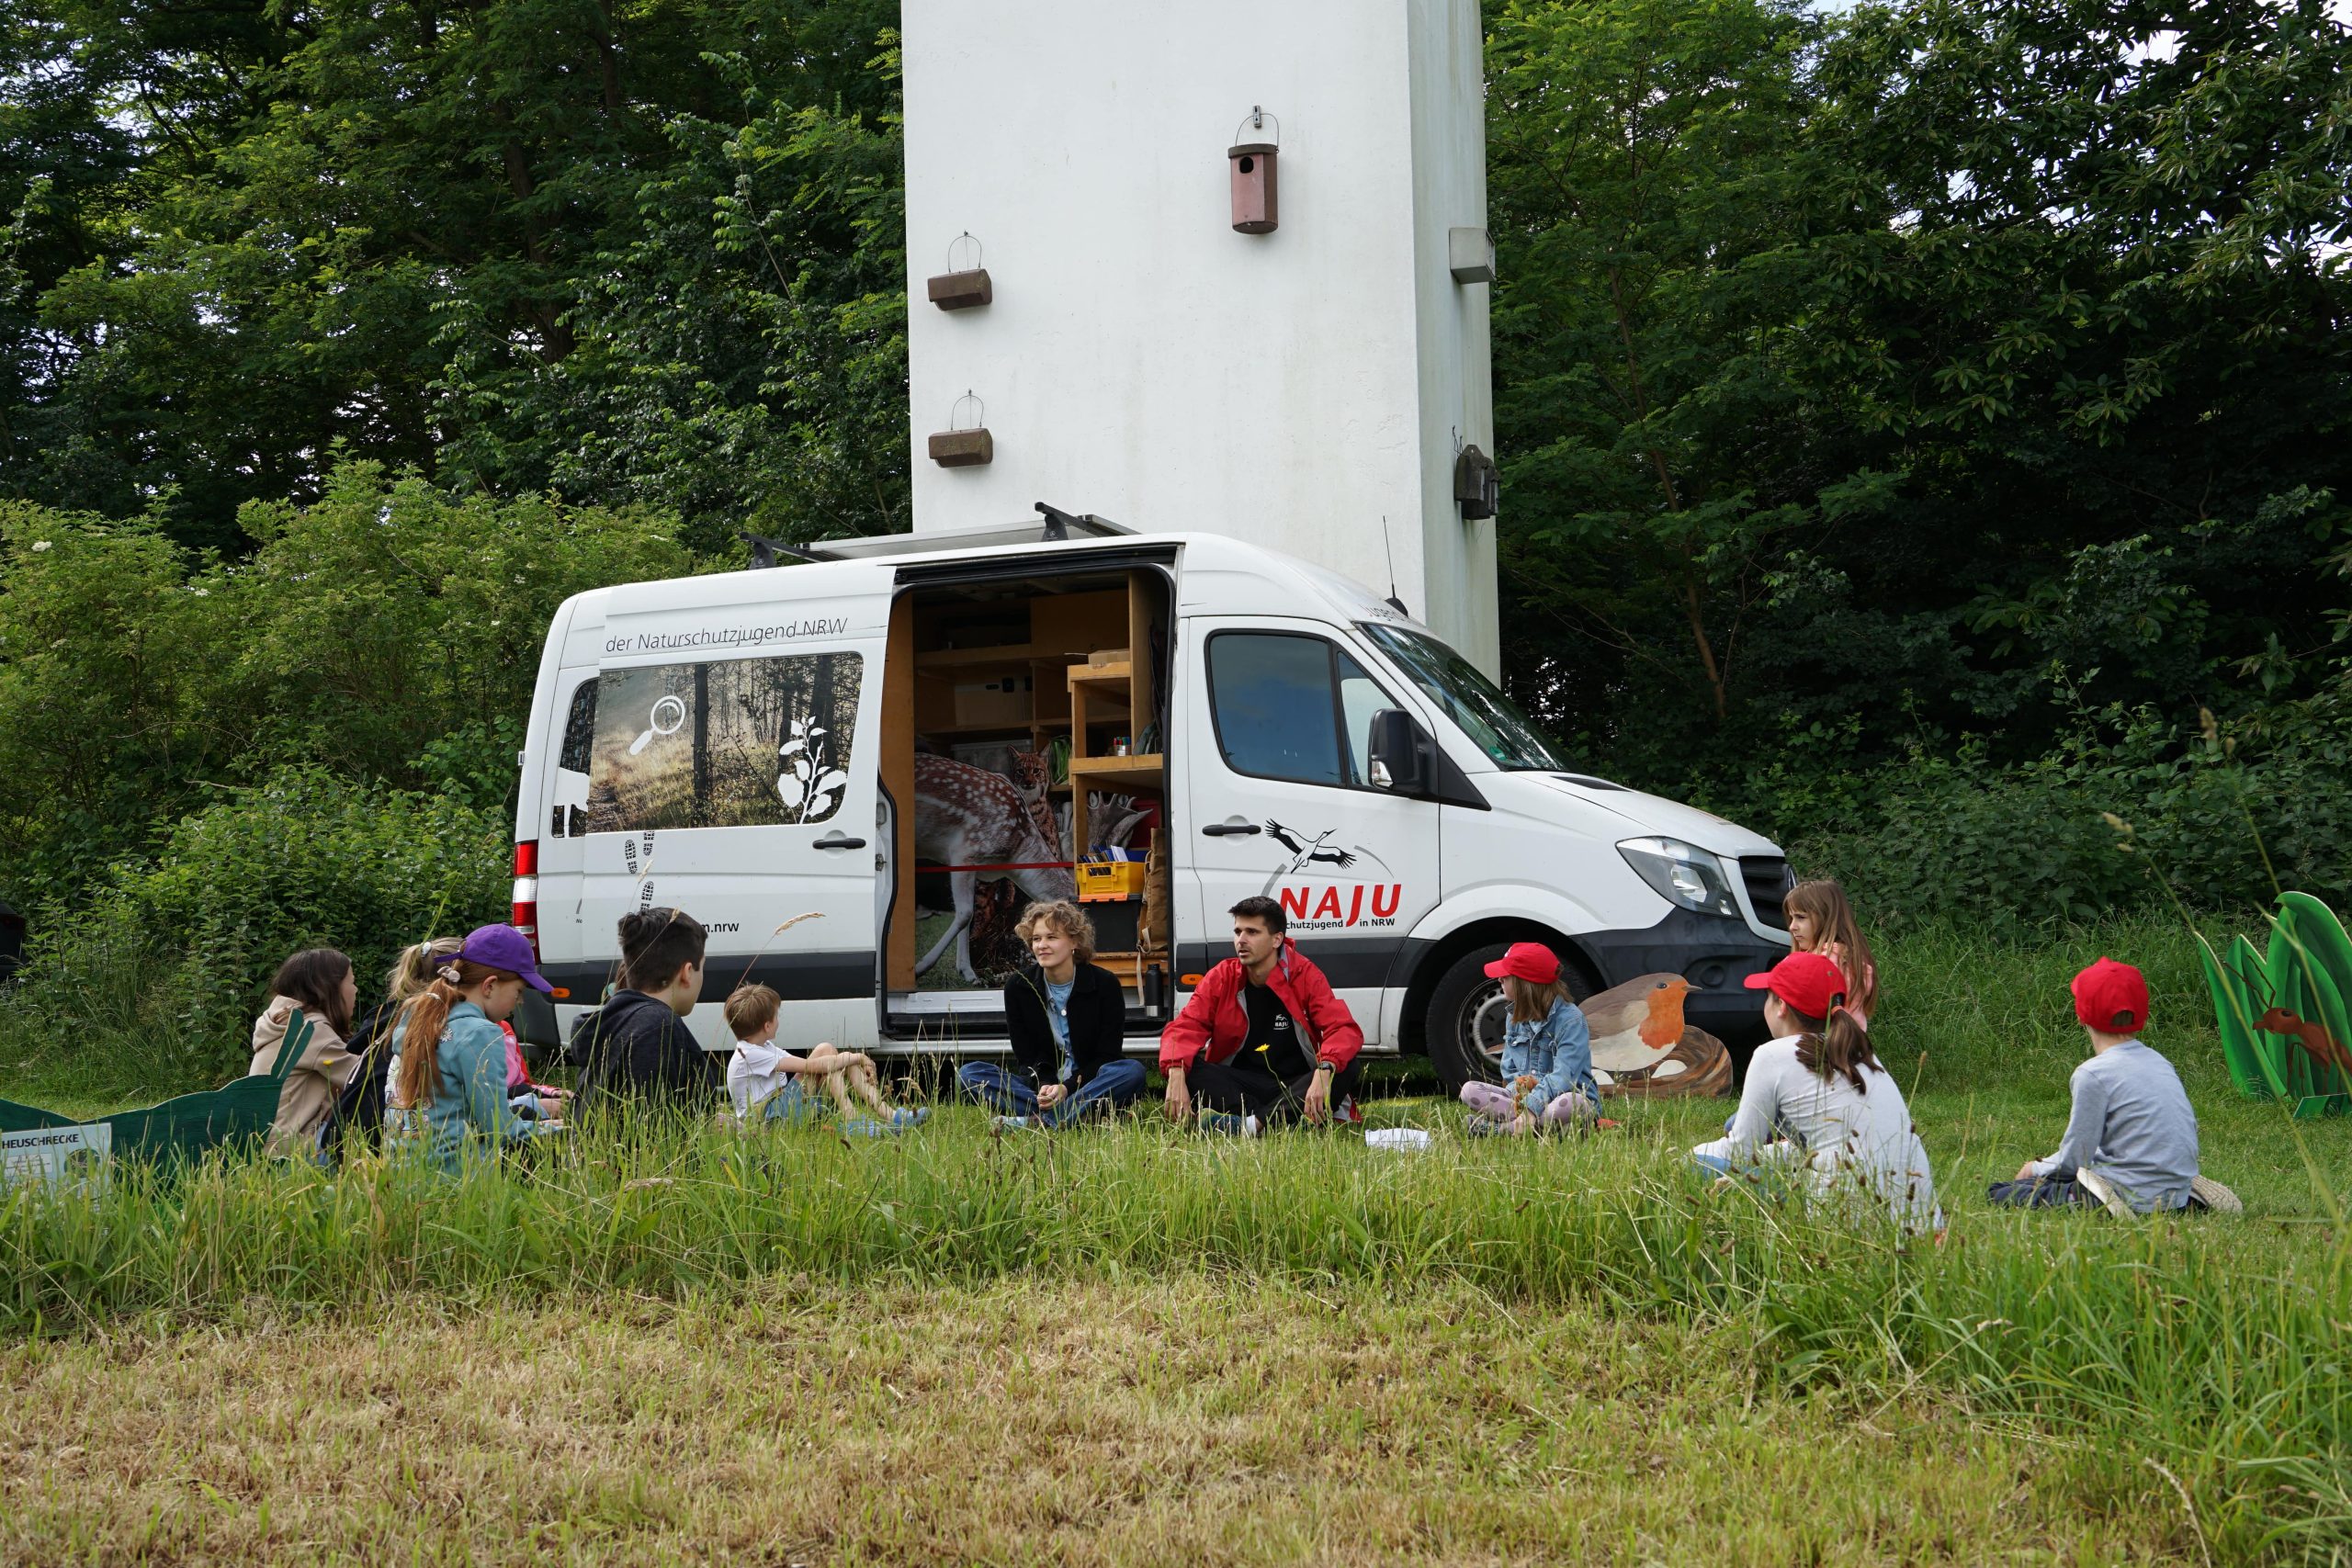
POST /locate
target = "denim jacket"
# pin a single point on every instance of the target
(1556, 1048)
(465, 1110)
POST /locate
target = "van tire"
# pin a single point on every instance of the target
(1455, 1017)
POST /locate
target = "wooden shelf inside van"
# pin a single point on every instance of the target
(1016, 727)
(1129, 967)
(1127, 772)
(982, 657)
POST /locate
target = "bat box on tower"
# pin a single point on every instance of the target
(1477, 487)
(1254, 210)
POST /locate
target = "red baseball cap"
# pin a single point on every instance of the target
(1529, 961)
(2111, 998)
(1808, 982)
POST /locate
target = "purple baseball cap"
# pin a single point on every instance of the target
(503, 947)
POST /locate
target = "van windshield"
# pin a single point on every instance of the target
(1475, 704)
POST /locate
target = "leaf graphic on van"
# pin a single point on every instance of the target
(821, 800)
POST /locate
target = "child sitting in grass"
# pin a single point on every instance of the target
(1547, 1051)
(1822, 920)
(2131, 1140)
(769, 1083)
(452, 1086)
(1819, 1084)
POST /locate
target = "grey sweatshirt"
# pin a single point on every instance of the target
(2131, 1124)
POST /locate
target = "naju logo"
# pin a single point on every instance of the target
(1337, 909)
(1325, 907)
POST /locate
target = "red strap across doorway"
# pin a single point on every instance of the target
(1008, 865)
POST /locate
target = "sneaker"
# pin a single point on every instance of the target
(1225, 1124)
(911, 1116)
(2214, 1196)
(866, 1127)
(1011, 1123)
(1482, 1127)
(2098, 1187)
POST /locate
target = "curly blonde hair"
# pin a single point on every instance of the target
(1064, 917)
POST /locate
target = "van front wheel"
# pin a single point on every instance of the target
(1468, 1013)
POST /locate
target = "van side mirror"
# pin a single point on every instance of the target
(1399, 756)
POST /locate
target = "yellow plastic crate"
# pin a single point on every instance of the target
(1104, 879)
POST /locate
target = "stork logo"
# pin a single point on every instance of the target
(1312, 905)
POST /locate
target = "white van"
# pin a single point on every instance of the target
(776, 746)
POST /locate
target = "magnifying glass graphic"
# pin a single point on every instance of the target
(668, 714)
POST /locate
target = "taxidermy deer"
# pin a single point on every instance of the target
(969, 816)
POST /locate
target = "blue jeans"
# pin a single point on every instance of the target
(792, 1105)
(1002, 1088)
(2040, 1192)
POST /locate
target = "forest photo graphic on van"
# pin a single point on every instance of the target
(747, 742)
(742, 791)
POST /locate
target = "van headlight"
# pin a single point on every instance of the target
(1682, 873)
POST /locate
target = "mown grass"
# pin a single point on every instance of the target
(1185, 1419)
(2216, 1348)
(2204, 1364)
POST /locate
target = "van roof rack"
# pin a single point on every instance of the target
(1057, 527)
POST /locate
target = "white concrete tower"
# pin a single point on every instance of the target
(1141, 359)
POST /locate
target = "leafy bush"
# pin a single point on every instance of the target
(108, 664)
(173, 958)
(2092, 829)
(388, 631)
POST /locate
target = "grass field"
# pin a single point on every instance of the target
(1131, 1345)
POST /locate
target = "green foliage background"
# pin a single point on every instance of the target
(1917, 420)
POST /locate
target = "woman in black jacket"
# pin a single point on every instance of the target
(1067, 1019)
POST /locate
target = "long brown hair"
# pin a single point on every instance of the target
(1838, 1045)
(1823, 902)
(314, 978)
(1532, 1003)
(426, 1016)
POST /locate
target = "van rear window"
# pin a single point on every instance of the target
(579, 729)
(731, 744)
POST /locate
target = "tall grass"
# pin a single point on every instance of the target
(2218, 1349)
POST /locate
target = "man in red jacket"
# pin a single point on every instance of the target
(1262, 1040)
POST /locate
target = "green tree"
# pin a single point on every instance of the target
(387, 229)
(1645, 159)
(742, 357)
(1961, 365)
(2102, 340)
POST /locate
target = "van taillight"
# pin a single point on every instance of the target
(524, 917)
